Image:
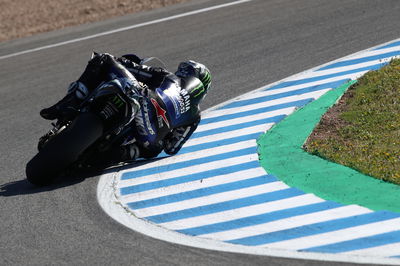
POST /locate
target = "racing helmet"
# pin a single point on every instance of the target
(191, 68)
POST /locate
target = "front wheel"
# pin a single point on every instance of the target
(64, 149)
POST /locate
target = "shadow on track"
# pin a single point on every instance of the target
(23, 187)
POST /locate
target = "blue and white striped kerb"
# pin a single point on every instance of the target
(215, 192)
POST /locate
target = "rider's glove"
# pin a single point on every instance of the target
(174, 141)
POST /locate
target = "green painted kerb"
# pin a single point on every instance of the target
(281, 154)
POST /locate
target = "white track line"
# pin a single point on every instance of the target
(125, 28)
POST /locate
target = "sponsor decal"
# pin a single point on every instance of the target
(161, 113)
(117, 101)
(184, 101)
(179, 98)
(142, 121)
(172, 94)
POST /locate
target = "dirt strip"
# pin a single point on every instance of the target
(24, 18)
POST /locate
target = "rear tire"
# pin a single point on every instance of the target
(64, 149)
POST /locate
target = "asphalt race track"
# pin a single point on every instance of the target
(245, 45)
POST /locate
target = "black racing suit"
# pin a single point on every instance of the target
(165, 119)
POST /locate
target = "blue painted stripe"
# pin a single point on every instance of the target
(256, 111)
(359, 243)
(225, 206)
(222, 129)
(202, 192)
(318, 228)
(360, 60)
(160, 156)
(260, 218)
(394, 44)
(188, 178)
(220, 143)
(197, 161)
(318, 87)
(308, 80)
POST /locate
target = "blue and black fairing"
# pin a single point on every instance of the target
(177, 102)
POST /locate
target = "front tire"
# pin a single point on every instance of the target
(64, 149)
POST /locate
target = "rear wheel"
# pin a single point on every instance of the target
(64, 149)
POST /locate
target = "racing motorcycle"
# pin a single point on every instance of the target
(99, 123)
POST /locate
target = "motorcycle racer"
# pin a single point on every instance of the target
(166, 104)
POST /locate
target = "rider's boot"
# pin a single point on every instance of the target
(79, 89)
(68, 105)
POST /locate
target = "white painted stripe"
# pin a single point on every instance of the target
(367, 63)
(297, 76)
(110, 204)
(266, 92)
(189, 186)
(250, 118)
(351, 67)
(321, 73)
(339, 235)
(179, 158)
(385, 250)
(231, 134)
(252, 210)
(375, 52)
(317, 94)
(211, 199)
(339, 69)
(191, 169)
(251, 107)
(288, 223)
(190, 13)
(263, 91)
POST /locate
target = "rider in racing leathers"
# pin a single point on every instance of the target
(167, 104)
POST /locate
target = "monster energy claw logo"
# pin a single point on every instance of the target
(206, 79)
(117, 101)
(198, 90)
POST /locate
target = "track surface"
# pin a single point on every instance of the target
(246, 46)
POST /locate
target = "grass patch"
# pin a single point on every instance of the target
(362, 130)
